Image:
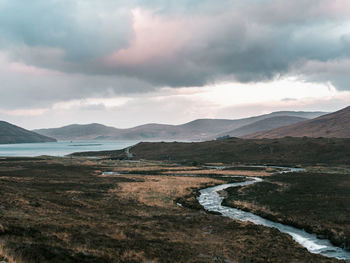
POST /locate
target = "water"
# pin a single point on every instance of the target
(61, 148)
(281, 169)
(211, 201)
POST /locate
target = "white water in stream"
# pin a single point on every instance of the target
(211, 201)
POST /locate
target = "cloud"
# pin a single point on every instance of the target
(25, 86)
(53, 51)
(82, 29)
(289, 99)
(169, 107)
(335, 71)
(24, 112)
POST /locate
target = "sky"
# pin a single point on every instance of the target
(129, 62)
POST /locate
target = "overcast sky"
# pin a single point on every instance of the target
(130, 62)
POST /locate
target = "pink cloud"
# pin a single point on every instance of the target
(335, 7)
(24, 112)
(155, 37)
(31, 70)
(22, 68)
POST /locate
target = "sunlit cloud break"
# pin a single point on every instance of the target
(104, 55)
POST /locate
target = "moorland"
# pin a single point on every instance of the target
(105, 210)
(317, 201)
(282, 151)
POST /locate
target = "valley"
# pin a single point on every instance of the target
(102, 210)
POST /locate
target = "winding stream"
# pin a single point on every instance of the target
(211, 201)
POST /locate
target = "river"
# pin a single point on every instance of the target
(211, 201)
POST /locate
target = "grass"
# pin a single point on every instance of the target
(317, 202)
(283, 151)
(62, 210)
(161, 190)
(220, 172)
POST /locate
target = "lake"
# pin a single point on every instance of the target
(61, 148)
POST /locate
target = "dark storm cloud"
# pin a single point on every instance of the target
(80, 28)
(112, 47)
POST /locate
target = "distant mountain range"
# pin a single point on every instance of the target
(10, 133)
(335, 124)
(201, 129)
(263, 125)
(274, 125)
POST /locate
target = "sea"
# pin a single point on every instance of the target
(60, 148)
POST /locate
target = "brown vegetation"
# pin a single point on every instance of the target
(10, 133)
(284, 151)
(60, 210)
(317, 202)
(332, 125)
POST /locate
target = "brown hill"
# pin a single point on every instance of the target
(80, 132)
(335, 124)
(195, 130)
(283, 151)
(264, 125)
(10, 133)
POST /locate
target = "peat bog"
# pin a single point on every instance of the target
(317, 202)
(65, 210)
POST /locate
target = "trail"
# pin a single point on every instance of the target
(128, 153)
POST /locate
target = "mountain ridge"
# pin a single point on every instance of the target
(264, 125)
(336, 124)
(199, 129)
(11, 134)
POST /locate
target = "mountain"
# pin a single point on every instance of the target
(282, 152)
(79, 132)
(222, 127)
(195, 130)
(264, 125)
(335, 124)
(10, 133)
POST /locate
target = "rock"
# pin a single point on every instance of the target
(320, 236)
(216, 259)
(223, 193)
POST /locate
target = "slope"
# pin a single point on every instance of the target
(335, 124)
(10, 133)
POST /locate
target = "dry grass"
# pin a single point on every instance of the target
(221, 172)
(345, 169)
(66, 212)
(6, 256)
(16, 179)
(253, 207)
(156, 167)
(160, 190)
(316, 202)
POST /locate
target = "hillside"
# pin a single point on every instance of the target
(79, 132)
(335, 124)
(10, 133)
(283, 151)
(264, 125)
(195, 130)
